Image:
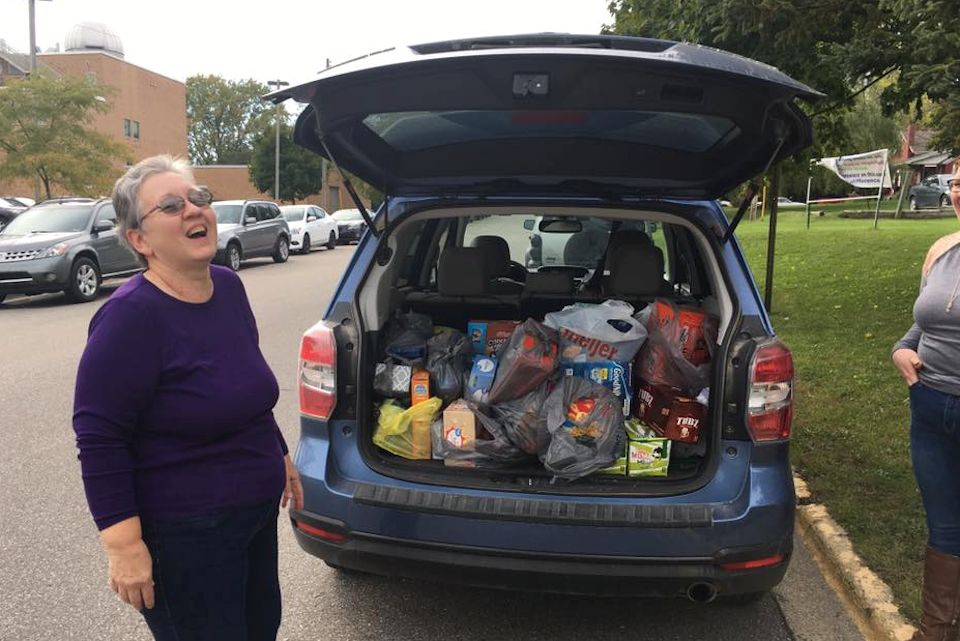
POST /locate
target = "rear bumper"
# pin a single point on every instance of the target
(540, 572)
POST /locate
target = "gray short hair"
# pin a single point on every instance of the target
(126, 191)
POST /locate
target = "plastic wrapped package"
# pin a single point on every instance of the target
(585, 423)
(406, 432)
(597, 332)
(679, 347)
(447, 357)
(469, 438)
(391, 380)
(527, 360)
(523, 421)
(407, 338)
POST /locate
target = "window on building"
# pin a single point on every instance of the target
(333, 199)
(126, 127)
(136, 130)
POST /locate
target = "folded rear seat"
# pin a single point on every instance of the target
(463, 292)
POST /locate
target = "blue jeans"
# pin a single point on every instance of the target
(215, 576)
(935, 450)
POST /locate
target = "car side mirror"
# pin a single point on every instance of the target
(103, 225)
(249, 220)
(310, 219)
(536, 241)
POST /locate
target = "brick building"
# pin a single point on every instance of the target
(148, 112)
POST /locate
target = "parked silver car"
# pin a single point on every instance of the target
(933, 191)
(69, 245)
(250, 228)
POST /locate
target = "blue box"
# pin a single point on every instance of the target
(614, 375)
(481, 377)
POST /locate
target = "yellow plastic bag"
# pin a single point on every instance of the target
(406, 433)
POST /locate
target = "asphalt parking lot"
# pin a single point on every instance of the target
(52, 572)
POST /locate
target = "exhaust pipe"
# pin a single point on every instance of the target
(702, 592)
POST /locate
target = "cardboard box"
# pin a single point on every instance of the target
(486, 337)
(614, 375)
(648, 457)
(419, 386)
(482, 374)
(420, 438)
(459, 431)
(668, 411)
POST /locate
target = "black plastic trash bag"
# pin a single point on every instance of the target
(490, 449)
(523, 421)
(585, 422)
(407, 338)
(447, 357)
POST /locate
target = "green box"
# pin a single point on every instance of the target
(648, 457)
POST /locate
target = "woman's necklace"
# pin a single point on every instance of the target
(953, 296)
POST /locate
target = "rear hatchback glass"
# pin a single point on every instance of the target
(412, 131)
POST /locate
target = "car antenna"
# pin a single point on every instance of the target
(353, 192)
(752, 190)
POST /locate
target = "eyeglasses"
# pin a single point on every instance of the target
(954, 184)
(174, 205)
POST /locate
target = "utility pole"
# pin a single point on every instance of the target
(33, 35)
(276, 177)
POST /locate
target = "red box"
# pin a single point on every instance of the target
(669, 412)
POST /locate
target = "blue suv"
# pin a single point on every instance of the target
(626, 138)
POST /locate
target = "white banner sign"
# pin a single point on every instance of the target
(861, 170)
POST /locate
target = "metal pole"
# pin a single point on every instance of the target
(276, 175)
(809, 182)
(774, 191)
(905, 182)
(33, 36)
(883, 175)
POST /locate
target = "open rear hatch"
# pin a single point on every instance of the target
(623, 115)
(550, 116)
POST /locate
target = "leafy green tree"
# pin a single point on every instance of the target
(301, 171)
(46, 133)
(223, 118)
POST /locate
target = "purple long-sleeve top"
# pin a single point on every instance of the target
(173, 411)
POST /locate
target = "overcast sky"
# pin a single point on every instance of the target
(288, 39)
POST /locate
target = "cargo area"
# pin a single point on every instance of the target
(522, 348)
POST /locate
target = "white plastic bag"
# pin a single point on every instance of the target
(597, 332)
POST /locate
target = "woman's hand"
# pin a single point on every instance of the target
(908, 362)
(130, 567)
(293, 492)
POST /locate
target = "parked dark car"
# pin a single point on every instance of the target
(69, 245)
(10, 208)
(350, 225)
(248, 229)
(933, 191)
(473, 138)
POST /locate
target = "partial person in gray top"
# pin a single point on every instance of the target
(934, 337)
(928, 358)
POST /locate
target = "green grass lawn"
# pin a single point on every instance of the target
(843, 294)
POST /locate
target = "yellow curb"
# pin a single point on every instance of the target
(864, 590)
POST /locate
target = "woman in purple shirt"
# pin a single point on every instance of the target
(183, 463)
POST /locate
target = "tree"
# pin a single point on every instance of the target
(223, 118)
(45, 133)
(301, 171)
(840, 47)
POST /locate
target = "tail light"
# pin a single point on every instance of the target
(320, 533)
(770, 408)
(753, 565)
(317, 372)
